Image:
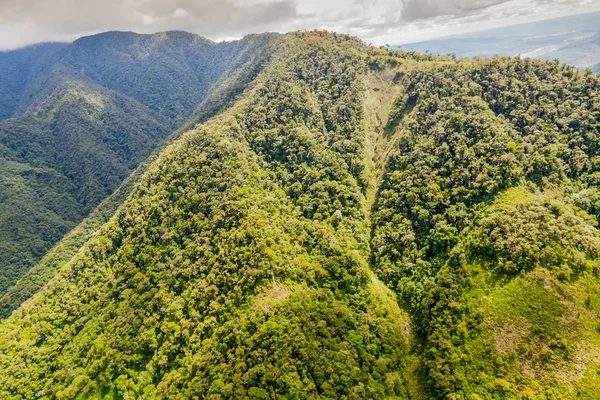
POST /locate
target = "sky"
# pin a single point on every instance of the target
(24, 22)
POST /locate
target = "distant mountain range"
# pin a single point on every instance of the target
(573, 40)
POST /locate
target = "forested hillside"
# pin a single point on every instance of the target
(17, 68)
(353, 223)
(239, 260)
(87, 115)
(486, 226)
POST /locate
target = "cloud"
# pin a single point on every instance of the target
(379, 21)
(427, 19)
(404, 21)
(180, 13)
(26, 21)
(420, 9)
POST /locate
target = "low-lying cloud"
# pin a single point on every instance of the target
(420, 9)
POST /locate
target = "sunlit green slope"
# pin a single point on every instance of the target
(238, 267)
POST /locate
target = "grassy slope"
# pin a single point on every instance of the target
(479, 227)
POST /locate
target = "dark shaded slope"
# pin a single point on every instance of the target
(24, 213)
(44, 270)
(168, 72)
(17, 68)
(89, 140)
(244, 69)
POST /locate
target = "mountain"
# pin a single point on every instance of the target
(573, 40)
(486, 226)
(352, 223)
(80, 118)
(264, 284)
(17, 68)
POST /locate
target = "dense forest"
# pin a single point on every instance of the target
(338, 221)
(20, 67)
(76, 120)
(486, 226)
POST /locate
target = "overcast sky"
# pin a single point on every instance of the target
(379, 22)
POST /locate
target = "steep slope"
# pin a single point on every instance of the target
(17, 68)
(70, 158)
(44, 270)
(237, 267)
(224, 94)
(168, 72)
(88, 116)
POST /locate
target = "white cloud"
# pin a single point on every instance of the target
(378, 21)
(24, 22)
(180, 13)
(147, 19)
(404, 21)
(471, 18)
